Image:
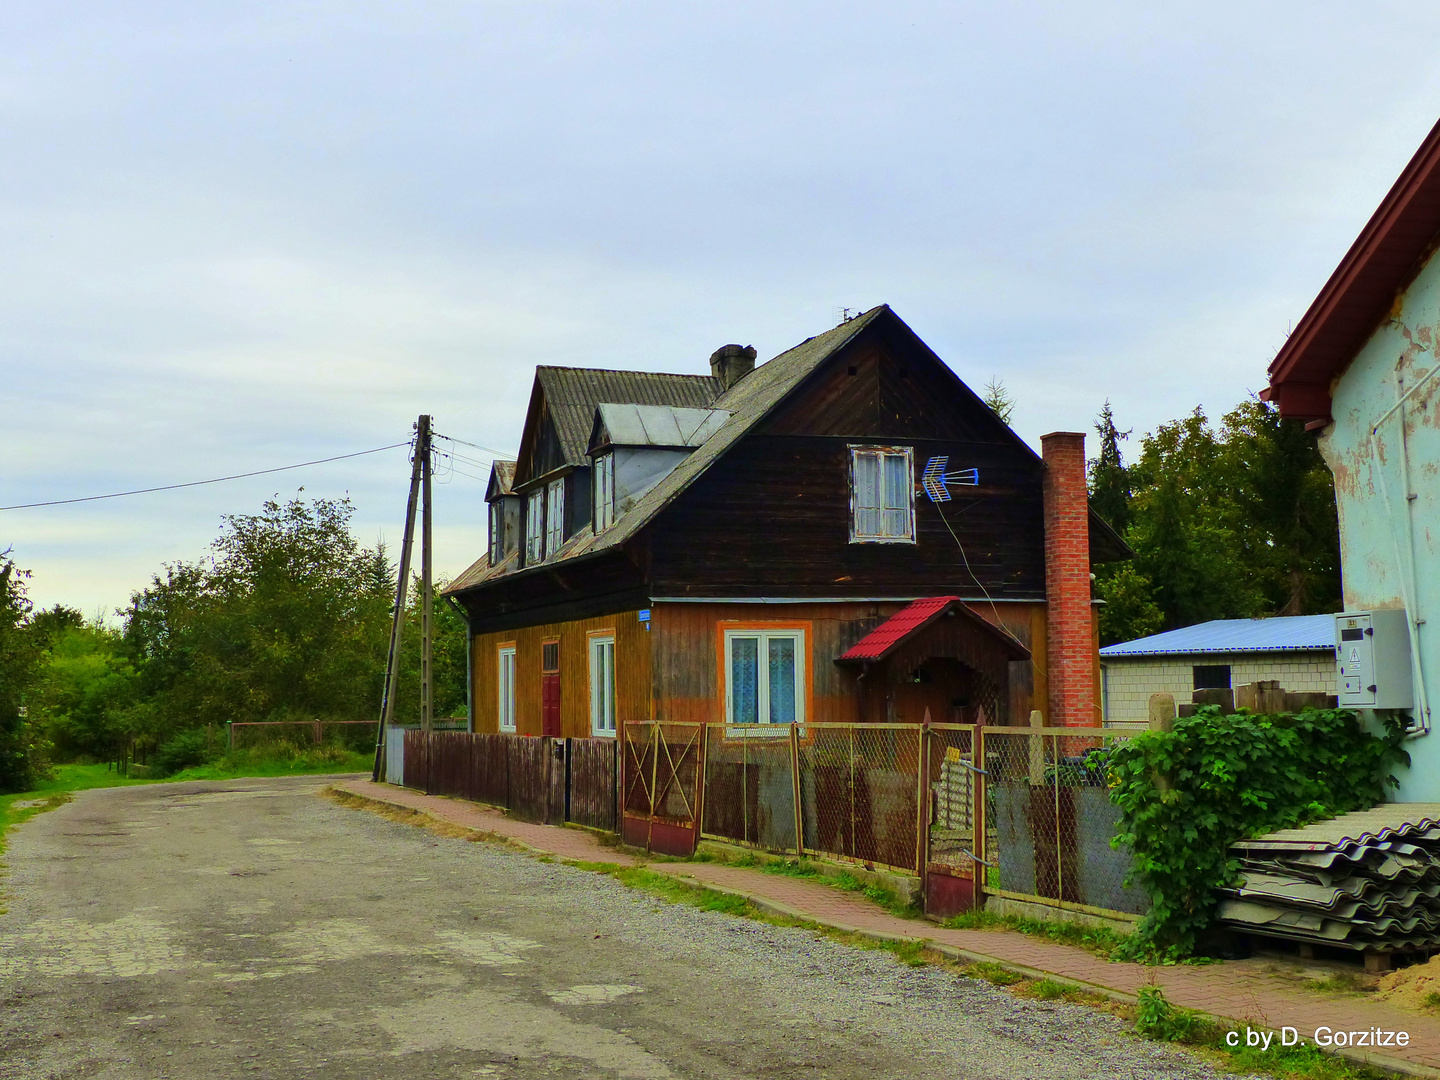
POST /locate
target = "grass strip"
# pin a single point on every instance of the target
(1156, 1018)
(1102, 941)
(809, 870)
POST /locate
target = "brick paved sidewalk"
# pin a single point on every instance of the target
(1244, 991)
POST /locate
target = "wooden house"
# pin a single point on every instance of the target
(764, 544)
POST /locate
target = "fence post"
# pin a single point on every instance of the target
(922, 801)
(795, 789)
(654, 780)
(317, 731)
(229, 735)
(977, 817)
(700, 756)
(1037, 750)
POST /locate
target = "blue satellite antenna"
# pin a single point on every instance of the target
(936, 481)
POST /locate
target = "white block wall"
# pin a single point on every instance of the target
(1126, 685)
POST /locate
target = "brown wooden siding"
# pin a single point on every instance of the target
(632, 673)
(688, 655)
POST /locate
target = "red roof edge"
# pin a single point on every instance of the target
(1381, 261)
(910, 620)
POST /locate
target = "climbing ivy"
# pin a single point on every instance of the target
(1186, 795)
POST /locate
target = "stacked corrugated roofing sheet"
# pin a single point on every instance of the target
(1366, 881)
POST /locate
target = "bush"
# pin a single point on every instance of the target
(1186, 795)
(181, 751)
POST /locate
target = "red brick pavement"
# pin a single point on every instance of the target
(1245, 991)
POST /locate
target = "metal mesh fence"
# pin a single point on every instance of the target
(953, 793)
(860, 792)
(750, 785)
(1049, 819)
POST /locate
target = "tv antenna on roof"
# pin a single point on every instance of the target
(935, 479)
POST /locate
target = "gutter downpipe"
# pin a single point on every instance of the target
(1409, 586)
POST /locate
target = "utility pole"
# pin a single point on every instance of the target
(402, 589)
(427, 582)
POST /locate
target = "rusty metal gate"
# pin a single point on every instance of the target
(662, 776)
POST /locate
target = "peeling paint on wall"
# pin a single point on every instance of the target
(1387, 487)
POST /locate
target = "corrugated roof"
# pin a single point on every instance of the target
(916, 616)
(1288, 633)
(628, 424)
(878, 642)
(572, 395)
(747, 402)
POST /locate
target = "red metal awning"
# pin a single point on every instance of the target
(913, 618)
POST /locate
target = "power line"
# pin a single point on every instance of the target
(488, 449)
(198, 483)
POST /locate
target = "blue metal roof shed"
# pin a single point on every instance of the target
(1291, 633)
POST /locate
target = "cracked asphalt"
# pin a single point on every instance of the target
(252, 929)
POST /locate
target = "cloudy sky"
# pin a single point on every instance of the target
(237, 236)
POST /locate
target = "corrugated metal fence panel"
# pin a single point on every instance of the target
(491, 769)
(415, 758)
(395, 756)
(529, 776)
(593, 782)
(451, 770)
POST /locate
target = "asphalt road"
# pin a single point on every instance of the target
(252, 929)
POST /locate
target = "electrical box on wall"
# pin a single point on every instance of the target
(1372, 658)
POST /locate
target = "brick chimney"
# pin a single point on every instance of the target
(731, 363)
(1069, 618)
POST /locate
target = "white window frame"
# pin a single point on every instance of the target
(762, 675)
(895, 514)
(602, 684)
(505, 669)
(535, 525)
(604, 491)
(497, 526)
(554, 516)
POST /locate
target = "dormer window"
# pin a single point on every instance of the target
(604, 479)
(882, 495)
(497, 532)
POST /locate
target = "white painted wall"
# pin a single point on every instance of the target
(1126, 685)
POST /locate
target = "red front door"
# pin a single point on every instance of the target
(550, 689)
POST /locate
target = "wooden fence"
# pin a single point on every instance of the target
(542, 779)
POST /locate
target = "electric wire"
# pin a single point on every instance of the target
(200, 483)
(475, 446)
(975, 578)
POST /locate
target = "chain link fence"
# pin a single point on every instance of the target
(1017, 812)
(1049, 819)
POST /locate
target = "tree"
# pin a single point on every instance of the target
(286, 620)
(23, 760)
(999, 400)
(1284, 494)
(1109, 479)
(86, 694)
(1230, 523)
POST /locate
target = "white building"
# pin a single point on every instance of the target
(1296, 651)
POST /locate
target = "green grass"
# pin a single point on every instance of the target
(810, 871)
(279, 760)
(1100, 940)
(1157, 1019)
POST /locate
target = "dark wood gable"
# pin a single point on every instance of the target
(772, 516)
(540, 450)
